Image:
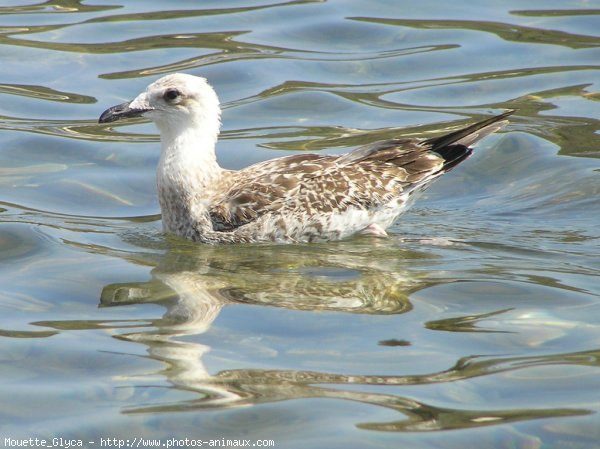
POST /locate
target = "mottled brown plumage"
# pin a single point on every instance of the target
(299, 198)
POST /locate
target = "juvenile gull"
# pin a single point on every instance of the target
(298, 198)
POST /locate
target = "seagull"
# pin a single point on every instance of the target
(292, 199)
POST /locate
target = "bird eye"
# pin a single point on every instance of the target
(171, 94)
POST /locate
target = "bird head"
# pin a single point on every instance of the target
(174, 101)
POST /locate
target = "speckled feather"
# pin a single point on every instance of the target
(305, 197)
(299, 198)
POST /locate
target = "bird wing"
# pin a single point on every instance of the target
(366, 178)
(308, 184)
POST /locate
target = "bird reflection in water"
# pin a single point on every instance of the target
(195, 283)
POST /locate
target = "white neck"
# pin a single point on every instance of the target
(187, 169)
(188, 152)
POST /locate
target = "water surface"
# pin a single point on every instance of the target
(477, 320)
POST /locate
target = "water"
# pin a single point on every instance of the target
(477, 320)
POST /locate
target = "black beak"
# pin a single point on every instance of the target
(119, 112)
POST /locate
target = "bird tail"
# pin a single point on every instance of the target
(454, 147)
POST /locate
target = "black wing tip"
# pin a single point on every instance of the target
(437, 143)
(455, 147)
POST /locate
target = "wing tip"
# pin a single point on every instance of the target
(471, 134)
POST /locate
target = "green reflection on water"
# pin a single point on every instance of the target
(194, 284)
(508, 31)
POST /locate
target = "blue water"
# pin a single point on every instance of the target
(477, 322)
